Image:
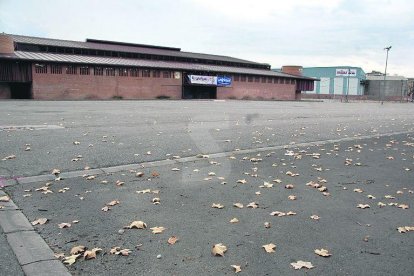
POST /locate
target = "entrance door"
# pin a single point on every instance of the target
(199, 92)
(21, 90)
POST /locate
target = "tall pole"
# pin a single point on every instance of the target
(347, 86)
(385, 75)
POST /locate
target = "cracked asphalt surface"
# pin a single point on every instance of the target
(361, 241)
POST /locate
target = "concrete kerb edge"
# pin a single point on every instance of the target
(150, 164)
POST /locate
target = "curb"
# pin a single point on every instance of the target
(33, 254)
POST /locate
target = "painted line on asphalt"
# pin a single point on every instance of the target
(157, 163)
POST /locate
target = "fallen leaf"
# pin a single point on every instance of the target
(266, 185)
(40, 221)
(218, 249)
(292, 197)
(4, 198)
(302, 264)
(363, 206)
(139, 174)
(358, 191)
(106, 209)
(64, 225)
(91, 254)
(380, 204)
(404, 229)
(234, 220)
(144, 191)
(289, 186)
(315, 217)
(113, 203)
(9, 157)
(175, 169)
(238, 205)
(91, 177)
(77, 249)
(237, 268)
(156, 200)
(403, 206)
(55, 171)
(118, 251)
(370, 196)
(172, 240)
(119, 183)
(71, 259)
(267, 224)
(158, 229)
(59, 255)
(217, 205)
(269, 248)
(76, 143)
(241, 181)
(322, 252)
(253, 205)
(137, 224)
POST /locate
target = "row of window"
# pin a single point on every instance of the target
(145, 73)
(244, 78)
(100, 71)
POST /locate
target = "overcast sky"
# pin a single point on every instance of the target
(294, 32)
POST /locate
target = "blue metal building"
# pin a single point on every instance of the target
(337, 80)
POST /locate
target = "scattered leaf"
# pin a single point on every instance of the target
(404, 229)
(64, 225)
(158, 229)
(4, 198)
(234, 220)
(238, 205)
(218, 249)
(269, 248)
(137, 224)
(241, 181)
(253, 205)
(217, 205)
(40, 221)
(267, 224)
(302, 264)
(315, 217)
(77, 249)
(237, 268)
(363, 206)
(322, 252)
(91, 254)
(172, 240)
(71, 259)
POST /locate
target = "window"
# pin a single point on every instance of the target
(41, 68)
(256, 79)
(71, 70)
(166, 74)
(84, 70)
(269, 80)
(133, 72)
(242, 78)
(250, 78)
(156, 74)
(236, 77)
(263, 79)
(145, 73)
(56, 69)
(109, 71)
(123, 72)
(98, 71)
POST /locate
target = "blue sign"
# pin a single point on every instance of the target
(223, 81)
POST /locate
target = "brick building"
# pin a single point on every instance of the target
(51, 69)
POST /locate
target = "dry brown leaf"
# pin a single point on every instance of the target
(91, 177)
(234, 220)
(64, 225)
(322, 252)
(358, 191)
(302, 264)
(118, 251)
(77, 249)
(137, 224)
(144, 191)
(172, 240)
(217, 205)
(119, 183)
(267, 224)
(266, 185)
(156, 200)
(40, 221)
(218, 249)
(9, 157)
(269, 248)
(238, 205)
(404, 229)
(71, 259)
(139, 174)
(106, 209)
(76, 143)
(289, 186)
(4, 198)
(403, 206)
(381, 204)
(55, 171)
(370, 196)
(59, 255)
(237, 268)
(363, 206)
(241, 181)
(253, 205)
(315, 217)
(91, 254)
(158, 229)
(292, 197)
(113, 203)
(155, 174)
(278, 214)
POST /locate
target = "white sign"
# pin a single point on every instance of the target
(346, 72)
(197, 79)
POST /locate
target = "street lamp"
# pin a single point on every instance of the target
(385, 75)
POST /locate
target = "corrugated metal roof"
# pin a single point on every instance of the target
(123, 48)
(111, 61)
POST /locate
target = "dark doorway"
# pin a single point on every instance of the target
(199, 92)
(21, 90)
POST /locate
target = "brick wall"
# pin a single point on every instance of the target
(77, 87)
(257, 90)
(4, 91)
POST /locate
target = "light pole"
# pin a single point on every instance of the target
(385, 75)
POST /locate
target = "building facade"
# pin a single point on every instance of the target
(338, 81)
(51, 69)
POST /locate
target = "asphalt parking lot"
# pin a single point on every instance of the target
(193, 154)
